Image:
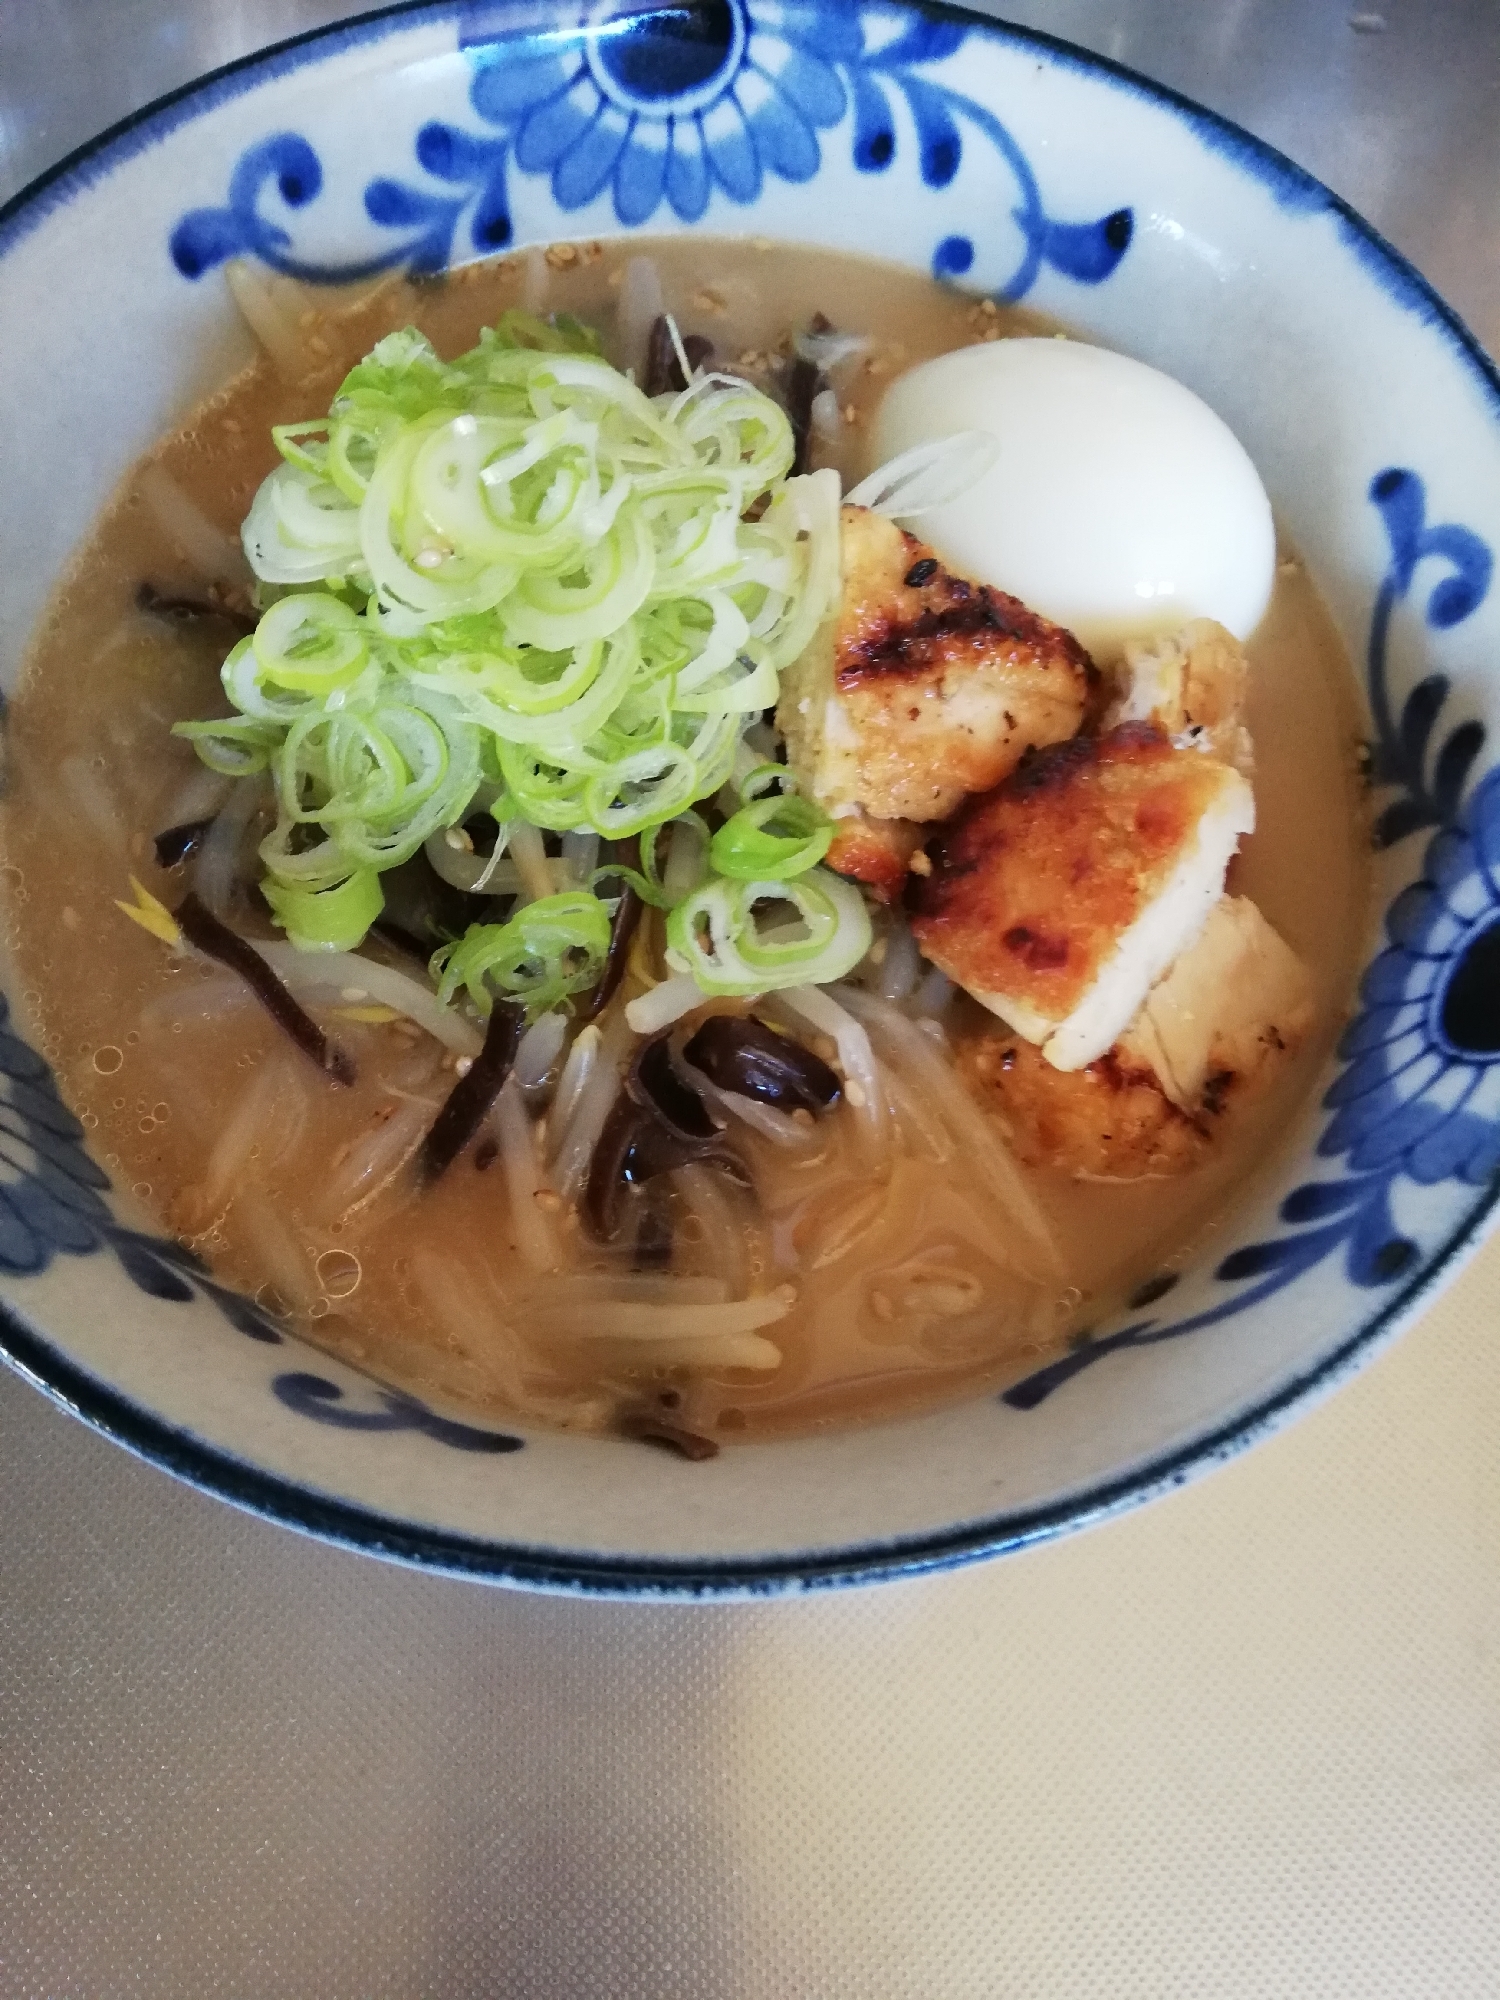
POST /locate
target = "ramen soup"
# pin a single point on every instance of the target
(653, 1096)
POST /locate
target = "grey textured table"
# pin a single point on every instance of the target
(1246, 1742)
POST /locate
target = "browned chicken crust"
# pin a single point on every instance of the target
(876, 852)
(1033, 885)
(1110, 1121)
(926, 686)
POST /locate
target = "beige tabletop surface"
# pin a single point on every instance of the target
(1244, 1742)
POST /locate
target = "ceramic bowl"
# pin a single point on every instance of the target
(999, 160)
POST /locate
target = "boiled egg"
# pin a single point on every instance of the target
(1119, 504)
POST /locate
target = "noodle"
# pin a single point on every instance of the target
(905, 1045)
(536, 1240)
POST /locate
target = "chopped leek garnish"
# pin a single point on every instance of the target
(751, 937)
(515, 580)
(771, 839)
(549, 949)
(332, 919)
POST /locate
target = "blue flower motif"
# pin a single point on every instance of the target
(1422, 1086)
(665, 102)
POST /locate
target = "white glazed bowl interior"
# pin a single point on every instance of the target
(1373, 419)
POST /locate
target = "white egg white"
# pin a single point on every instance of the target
(1120, 505)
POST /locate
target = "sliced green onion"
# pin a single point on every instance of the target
(303, 445)
(515, 572)
(311, 643)
(326, 919)
(820, 930)
(238, 746)
(771, 838)
(554, 947)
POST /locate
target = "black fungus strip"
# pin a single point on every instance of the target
(803, 381)
(202, 928)
(663, 369)
(658, 1123)
(187, 610)
(600, 1208)
(175, 843)
(468, 1102)
(622, 931)
(647, 1428)
(743, 1055)
(653, 1084)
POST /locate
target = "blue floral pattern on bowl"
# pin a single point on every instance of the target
(660, 106)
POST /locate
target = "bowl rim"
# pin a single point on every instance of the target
(212, 1470)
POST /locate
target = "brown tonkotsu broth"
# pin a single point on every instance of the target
(303, 1193)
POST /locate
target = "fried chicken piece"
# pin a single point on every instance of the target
(876, 852)
(1225, 1012)
(1210, 1038)
(1061, 897)
(1192, 685)
(923, 687)
(1110, 1121)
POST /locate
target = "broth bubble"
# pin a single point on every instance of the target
(339, 1273)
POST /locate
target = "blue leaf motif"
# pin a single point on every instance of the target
(145, 1268)
(874, 130)
(431, 216)
(451, 155)
(1420, 711)
(937, 133)
(1454, 763)
(1088, 251)
(206, 236)
(242, 1314)
(316, 1397)
(925, 39)
(1402, 500)
(1315, 1200)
